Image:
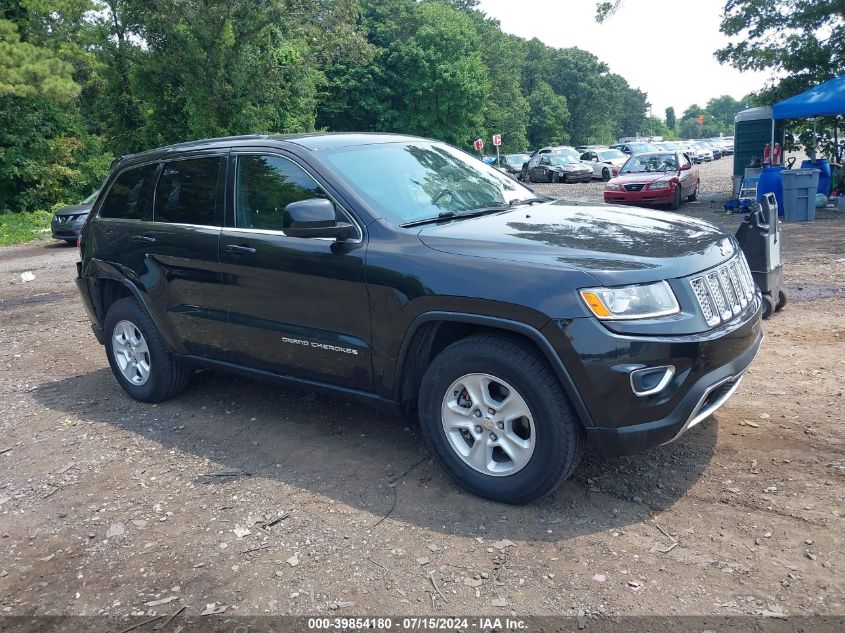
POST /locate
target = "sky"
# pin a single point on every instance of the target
(663, 47)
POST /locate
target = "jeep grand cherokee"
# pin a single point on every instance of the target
(405, 273)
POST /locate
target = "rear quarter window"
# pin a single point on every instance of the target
(130, 194)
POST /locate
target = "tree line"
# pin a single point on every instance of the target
(83, 81)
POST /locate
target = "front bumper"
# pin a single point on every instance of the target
(66, 230)
(644, 196)
(708, 369)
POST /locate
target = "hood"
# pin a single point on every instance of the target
(616, 162)
(615, 245)
(571, 167)
(642, 176)
(74, 209)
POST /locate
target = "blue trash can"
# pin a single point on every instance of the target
(823, 165)
(771, 182)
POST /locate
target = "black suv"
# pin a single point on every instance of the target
(408, 274)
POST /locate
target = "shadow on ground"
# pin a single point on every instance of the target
(352, 454)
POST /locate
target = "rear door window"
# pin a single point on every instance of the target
(130, 194)
(187, 191)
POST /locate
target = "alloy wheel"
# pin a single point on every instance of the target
(488, 424)
(131, 353)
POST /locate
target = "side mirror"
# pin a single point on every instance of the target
(614, 171)
(685, 166)
(315, 217)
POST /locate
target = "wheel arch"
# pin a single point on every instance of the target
(109, 284)
(431, 332)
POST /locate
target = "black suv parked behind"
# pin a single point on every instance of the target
(404, 272)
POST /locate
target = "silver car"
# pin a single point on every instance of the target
(603, 161)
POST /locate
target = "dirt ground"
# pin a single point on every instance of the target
(271, 500)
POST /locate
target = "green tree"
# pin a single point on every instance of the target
(437, 77)
(46, 154)
(800, 42)
(593, 95)
(548, 116)
(632, 112)
(724, 109)
(505, 107)
(428, 76)
(670, 118)
(690, 128)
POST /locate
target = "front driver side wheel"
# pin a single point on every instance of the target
(496, 417)
(605, 174)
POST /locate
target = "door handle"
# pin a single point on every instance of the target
(237, 248)
(143, 239)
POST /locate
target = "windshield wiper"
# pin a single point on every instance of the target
(460, 215)
(527, 201)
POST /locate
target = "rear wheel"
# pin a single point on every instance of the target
(605, 174)
(497, 419)
(694, 195)
(138, 356)
(781, 303)
(676, 201)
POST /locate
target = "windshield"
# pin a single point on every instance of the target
(641, 147)
(516, 159)
(562, 159)
(650, 162)
(611, 154)
(408, 182)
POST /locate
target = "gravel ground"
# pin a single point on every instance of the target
(271, 500)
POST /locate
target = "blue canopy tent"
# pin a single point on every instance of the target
(826, 99)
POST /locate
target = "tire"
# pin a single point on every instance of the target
(694, 195)
(605, 174)
(676, 202)
(165, 376)
(768, 306)
(781, 302)
(550, 426)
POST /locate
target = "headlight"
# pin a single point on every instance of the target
(631, 302)
(659, 184)
(613, 187)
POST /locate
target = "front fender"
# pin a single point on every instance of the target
(496, 323)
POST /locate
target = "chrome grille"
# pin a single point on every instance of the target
(723, 292)
(637, 187)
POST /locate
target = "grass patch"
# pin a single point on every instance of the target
(20, 228)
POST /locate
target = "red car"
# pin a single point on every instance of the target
(655, 178)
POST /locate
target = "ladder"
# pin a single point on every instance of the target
(748, 189)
